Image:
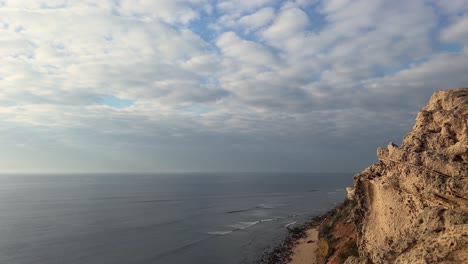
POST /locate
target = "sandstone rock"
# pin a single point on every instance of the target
(412, 206)
(350, 192)
(353, 260)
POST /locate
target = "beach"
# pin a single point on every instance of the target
(305, 251)
(330, 236)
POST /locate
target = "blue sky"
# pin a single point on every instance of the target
(242, 85)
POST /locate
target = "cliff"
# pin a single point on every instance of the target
(412, 206)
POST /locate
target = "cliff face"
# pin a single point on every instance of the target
(412, 206)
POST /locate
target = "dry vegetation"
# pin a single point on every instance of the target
(337, 236)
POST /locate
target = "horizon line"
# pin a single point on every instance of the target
(161, 172)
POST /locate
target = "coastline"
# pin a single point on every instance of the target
(305, 251)
(409, 207)
(328, 237)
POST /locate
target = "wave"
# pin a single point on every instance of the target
(241, 226)
(265, 206)
(157, 201)
(269, 219)
(219, 233)
(290, 224)
(239, 211)
(260, 206)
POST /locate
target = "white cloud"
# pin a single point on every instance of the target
(286, 75)
(335, 5)
(89, 51)
(457, 31)
(170, 11)
(453, 6)
(290, 22)
(442, 71)
(231, 11)
(241, 6)
(258, 19)
(247, 52)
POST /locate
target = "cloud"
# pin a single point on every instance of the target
(169, 11)
(241, 6)
(102, 54)
(452, 7)
(214, 85)
(289, 22)
(244, 51)
(258, 19)
(457, 32)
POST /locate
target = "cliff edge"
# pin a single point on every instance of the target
(412, 206)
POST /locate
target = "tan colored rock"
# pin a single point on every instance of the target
(350, 192)
(413, 204)
(353, 260)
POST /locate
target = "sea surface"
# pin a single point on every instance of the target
(160, 218)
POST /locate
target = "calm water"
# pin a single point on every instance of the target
(170, 218)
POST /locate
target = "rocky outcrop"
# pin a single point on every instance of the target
(412, 206)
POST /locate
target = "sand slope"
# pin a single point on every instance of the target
(306, 249)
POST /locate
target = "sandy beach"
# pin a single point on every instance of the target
(303, 246)
(305, 251)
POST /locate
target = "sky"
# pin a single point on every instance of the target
(217, 85)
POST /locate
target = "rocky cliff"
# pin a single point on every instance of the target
(412, 206)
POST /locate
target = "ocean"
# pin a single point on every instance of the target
(161, 218)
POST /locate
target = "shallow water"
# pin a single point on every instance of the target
(161, 218)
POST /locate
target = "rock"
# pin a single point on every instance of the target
(353, 260)
(350, 192)
(412, 206)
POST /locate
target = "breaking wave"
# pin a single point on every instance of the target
(290, 224)
(241, 226)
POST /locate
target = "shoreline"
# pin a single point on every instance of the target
(330, 233)
(282, 252)
(409, 206)
(305, 250)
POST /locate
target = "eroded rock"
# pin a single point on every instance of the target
(412, 206)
